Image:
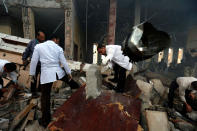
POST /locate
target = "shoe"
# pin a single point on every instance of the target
(118, 90)
(35, 95)
(113, 80)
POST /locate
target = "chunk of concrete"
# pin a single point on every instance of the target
(165, 80)
(157, 121)
(157, 84)
(94, 82)
(185, 126)
(4, 123)
(146, 89)
(138, 77)
(172, 128)
(159, 92)
(192, 115)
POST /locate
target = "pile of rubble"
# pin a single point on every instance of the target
(143, 106)
(94, 106)
(19, 111)
(155, 113)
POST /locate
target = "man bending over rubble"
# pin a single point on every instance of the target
(115, 58)
(7, 69)
(50, 56)
(187, 86)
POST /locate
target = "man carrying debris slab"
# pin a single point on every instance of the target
(7, 69)
(40, 37)
(50, 56)
(187, 86)
(115, 58)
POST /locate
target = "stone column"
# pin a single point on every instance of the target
(69, 29)
(165, 56)
(94, 82)
(112, 22)
(28, 23)
(175, 54)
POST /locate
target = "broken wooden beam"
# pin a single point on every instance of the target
(11, 90)
(30, 117)
(22, 114)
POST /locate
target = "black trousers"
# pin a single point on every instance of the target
(173, 87)
(1, 83)
(34, 84)
(46, 98)
(121, 78)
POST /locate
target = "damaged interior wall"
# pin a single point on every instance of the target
(10, 25)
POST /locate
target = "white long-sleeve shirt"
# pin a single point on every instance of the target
(115, 54)
(12, 75)
(184, 84)
(50, 56)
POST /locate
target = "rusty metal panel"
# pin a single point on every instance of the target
(112, 22)
(110, 112)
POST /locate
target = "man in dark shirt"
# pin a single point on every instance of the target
(40, 37)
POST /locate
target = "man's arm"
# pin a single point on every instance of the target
(34, 62)
(13, 76)
(26, 53)
(64, 62)
(182, 94)
(110, 55)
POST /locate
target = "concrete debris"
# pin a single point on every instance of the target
(146, 89)
(185, 126)
(94, 82)
(4, 123)
(34, 126)
(166, 81)
(192, 115)
(172, 128)
(159, 92)
(157, 121)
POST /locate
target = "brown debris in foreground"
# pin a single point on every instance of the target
(109, 111)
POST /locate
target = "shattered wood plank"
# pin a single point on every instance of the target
(34, 126)
(22, 114)
(30, 117)
(110, 111)
(139, 128)
(11, 90)
(157, 121)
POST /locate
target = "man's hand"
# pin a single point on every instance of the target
(69, 77)
(25, 62)
(105, 61)
(188, 108)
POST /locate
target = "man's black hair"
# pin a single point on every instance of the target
(100, 46)
(10, 66)
(194, 85)
(54, 37)
(38, 33)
